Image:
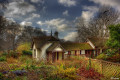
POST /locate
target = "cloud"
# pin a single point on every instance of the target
(10, 19)
(88, 12)
(32, 16)
(24, 23)
(113, 3)
(67, 3)
(65, 13)
(15, 9)
(70, 36)
(58, 24)
(40, 23)
(36, 1)
(44, 30)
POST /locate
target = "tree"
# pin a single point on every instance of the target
(114, 41)
(28, 32)
(98, 26)
(82, 30)
(13, 31)
(106, 16)
(3, 25)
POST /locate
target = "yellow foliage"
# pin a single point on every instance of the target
(24, 46)
(11, 60)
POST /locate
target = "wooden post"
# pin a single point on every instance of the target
(80, 52)
(62, 55)
(53, 57)
(47, 56)
(69, 53)
(57, 55)
(90, 53)
(75, 53)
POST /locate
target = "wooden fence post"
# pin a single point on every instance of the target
(101, 67)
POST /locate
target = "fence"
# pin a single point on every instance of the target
(108, 69)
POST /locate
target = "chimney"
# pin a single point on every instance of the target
(56, 34)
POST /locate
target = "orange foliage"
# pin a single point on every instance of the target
(11, 60)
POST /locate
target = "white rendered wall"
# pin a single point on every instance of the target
(82, 51)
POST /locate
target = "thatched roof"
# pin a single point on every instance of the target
(69, 46)
(76, 46)
(41, 41)
(53, 46)
(98, 42)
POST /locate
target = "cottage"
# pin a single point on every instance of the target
(98, 44)
(51, 48)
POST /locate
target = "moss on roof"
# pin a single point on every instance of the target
(42, 40)
(76, 46)
(53, 46)
(98, 42)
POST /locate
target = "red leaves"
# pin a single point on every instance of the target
(91, 73)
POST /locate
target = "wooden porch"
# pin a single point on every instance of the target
(55, 56)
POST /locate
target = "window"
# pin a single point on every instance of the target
(35, 55)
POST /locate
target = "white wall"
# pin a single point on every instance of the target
(58, 49)
(43, 51)
(40, 54)
(82, 51)
(34, 48)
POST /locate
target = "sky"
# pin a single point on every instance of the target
(55, 15)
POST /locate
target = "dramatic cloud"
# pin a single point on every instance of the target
(88, 12)
(65, 13)
(70, 36)
(24, 23)
(67, 3)
(36, 1)
(58, 24)
(15, 9)
(10, 19)
(40, 23)
(32, 16)
(113, 3)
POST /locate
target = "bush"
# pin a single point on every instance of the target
(102, 56)
(13, 54)
(114, 58)
(1, 76)
(3, 58)
(25, 58)
(62, 73)
(24, 47)
(5, 54)
(91, 73)
(12, 60)
(27, 52)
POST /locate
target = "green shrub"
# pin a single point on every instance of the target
(114, 58)
(13, 54)
(1, 76)
(102, 56)
(27, 52)
(24, 58)
(3, 58)
(5, 54)
(63, 73)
